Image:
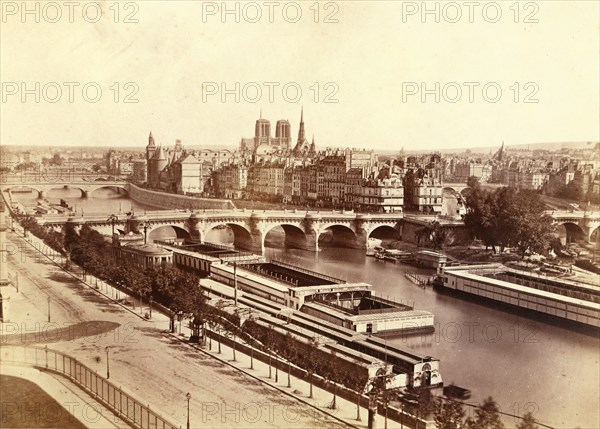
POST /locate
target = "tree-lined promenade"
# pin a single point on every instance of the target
(179, 291)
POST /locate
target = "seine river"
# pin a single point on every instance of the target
(523, 364)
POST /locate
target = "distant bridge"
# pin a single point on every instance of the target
(457, 187)
(43, 187)
(302, 228)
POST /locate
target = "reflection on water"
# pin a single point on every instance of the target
(220, 235)
(103, 200)
(523, 364)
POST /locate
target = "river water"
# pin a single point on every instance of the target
(523, 364)
(103, 200)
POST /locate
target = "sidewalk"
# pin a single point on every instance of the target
(299, 389)
(226, 412)
(74, 402)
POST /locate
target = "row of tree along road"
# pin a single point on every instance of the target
(178, 292)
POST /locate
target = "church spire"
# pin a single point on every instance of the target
(150, 139)
(301, 136)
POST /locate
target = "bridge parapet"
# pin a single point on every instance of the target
(302, 228)
(86, 188)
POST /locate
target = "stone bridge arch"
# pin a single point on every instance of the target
(86, 189)
(242, 234)
(344, 234)
(166, 232)
(573, 231)
(384, 230)
(296, 236)
(89, 191)
(451, 189)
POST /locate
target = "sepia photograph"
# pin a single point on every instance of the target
(353, 214)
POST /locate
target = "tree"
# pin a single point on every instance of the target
(426, 403)
(71, 236)
(56, 159)
(422, 234)
(334, 378)
(439, 235)
(527, 422)
(290, 351)
(358, 384)
(509, 218)
(449, 414)
(487, 416)
(571, 191)
(473, 182)
(534, 227)
(309, 362)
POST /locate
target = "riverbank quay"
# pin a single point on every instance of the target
(143, 355)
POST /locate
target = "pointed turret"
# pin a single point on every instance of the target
(312, 149)
(161, 160)
(499, 156)
(151, 148)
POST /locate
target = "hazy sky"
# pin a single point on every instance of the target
(371, 65)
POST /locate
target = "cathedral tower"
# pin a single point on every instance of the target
(283, 133)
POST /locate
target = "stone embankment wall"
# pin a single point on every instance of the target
(174, 201)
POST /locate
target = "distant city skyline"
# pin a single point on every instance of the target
(377, 62)
(550, 146)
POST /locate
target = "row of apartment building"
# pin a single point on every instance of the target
(331, 181)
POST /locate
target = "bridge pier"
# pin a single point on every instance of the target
(347, 238)
(254, 243)
(307, 241)
(42, 195)
(85, 194)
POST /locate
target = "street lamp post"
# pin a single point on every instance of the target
(180, 318)
(112, 219)
(188, 396)
(146, 226)
(233, 349)
(48, 309)
(107, 366)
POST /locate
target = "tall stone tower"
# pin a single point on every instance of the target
(150, 151)
(262, 132)
(283, 134)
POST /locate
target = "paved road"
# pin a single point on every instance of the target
(150, 363)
